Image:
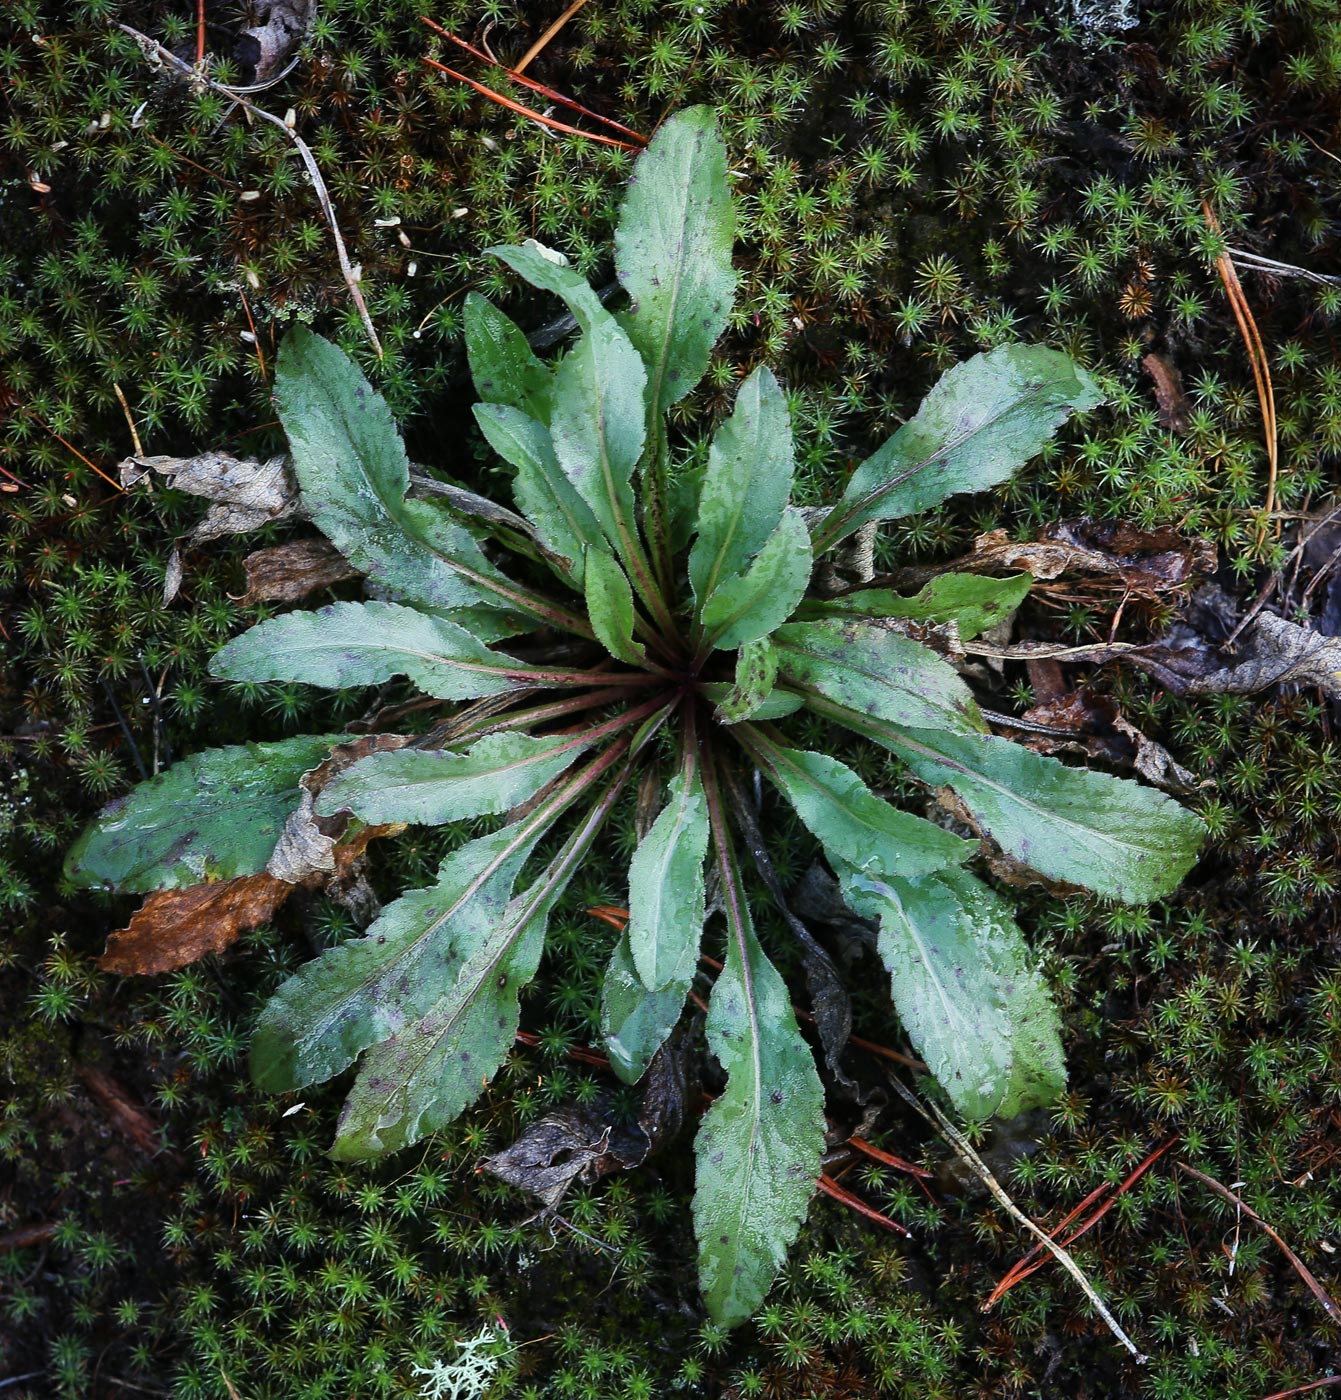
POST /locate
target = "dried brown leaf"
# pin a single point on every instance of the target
(288, 573)
(268, 44)
(1169, 393)
(176, 927)
(570, 1145)
(246, 494)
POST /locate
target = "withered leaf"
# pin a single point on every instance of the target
(569, 1145)
(288, 573)
(1093, 726)
(176, 927)
(1279, 652)
(268, 44)
(173, 928)
(1169, 392)
(246, 494)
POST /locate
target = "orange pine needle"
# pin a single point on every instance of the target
(831, 1188)
(1257, 358)
(71, 447)
(878, 1154)
(527, 112)
(516, 75)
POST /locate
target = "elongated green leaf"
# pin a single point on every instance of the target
(756, 673)
(966, 989)
(849, 820)
(563, 521)
(876, 672)
(421, 1077)
(666, 886)
(346, 644)
(492, 776)
(364, 990)
(635, 1021)
(977, 427)
(1108, 834)
(213, 816)
(746, 486)
(972, 601)
(610, 608)
(502, 364)
(759, 1146)
(753, 604)
(353, 473)
(673, 254)
(597, 421)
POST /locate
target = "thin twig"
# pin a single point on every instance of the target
(1256, 263)
(1302, 1269)
(548, 35)
(957, 1140)
(152, 48)
(130, 421)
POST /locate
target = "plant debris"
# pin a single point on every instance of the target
(288, 573)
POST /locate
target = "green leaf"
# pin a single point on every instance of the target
(610, 608)
(346, 644)
(635, 1021)
(746, 485)
(666, 907)
(966, 988)
(366, 989)
(597, 422)
(432, 787)
(779, 704)
(563, 521)
(875, 671)
(502, 364)
(759, 1146)
(1108, 834)
(213, 816)
(756, 673)
(752, 605)
(425, 1074)
(673, 253)
(977, 427)
(850, 821)
(428, 1070)
(972, 601)
(353, 473)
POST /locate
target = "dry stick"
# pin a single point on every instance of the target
(130, 421)
(1302, 1269)
(1257, 357)
(548, 35)
(960, 1144)
(152, 48)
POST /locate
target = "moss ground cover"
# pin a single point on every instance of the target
(918, 182)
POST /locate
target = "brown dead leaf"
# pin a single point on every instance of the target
(1278, 653)
(266, 46)
(1145, 563)
(288, 573)
(1092, 725)
(246, 494)
(570, 1145)
(176, 927)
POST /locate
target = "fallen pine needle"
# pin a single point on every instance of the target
(839, 1193)
(549, 34)
(1302, 1269)
(960, 1143)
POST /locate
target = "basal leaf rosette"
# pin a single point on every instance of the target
(619, 623)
